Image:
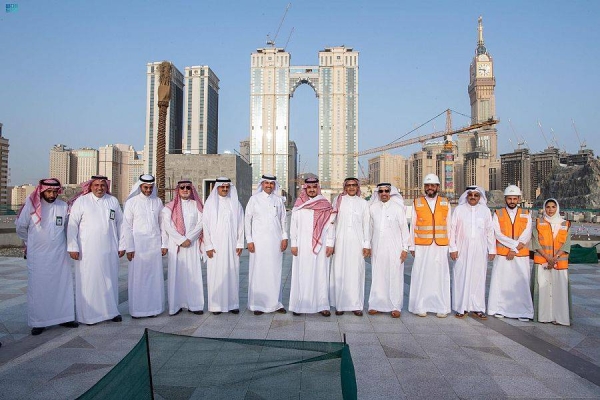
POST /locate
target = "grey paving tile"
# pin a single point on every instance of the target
(527, 387)
(477, 387)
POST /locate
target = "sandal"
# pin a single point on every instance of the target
(479, 315)
(459, 315)
(395, 314)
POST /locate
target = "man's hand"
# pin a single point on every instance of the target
(238, 251)
(74, 255)
(251, 247)
(511, 254)
(284, 244)
(186, 244)
(491, 257)
(164, 251)
(130, 255)
(454, 255)
(294, 251)
(403, 256)
(520, 246)
(329, 251)
(121, 253)
(366, 253)
(210, 253)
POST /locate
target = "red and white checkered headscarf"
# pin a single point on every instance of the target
(35, 197)
(86, 187)
(177, 210)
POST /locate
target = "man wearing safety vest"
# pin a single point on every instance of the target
(429, 229)
(510, 293)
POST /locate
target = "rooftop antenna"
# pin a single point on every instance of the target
(582, 145)
(272, 42)
(541, 130)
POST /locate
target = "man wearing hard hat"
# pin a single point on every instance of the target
(429, 229)
(510, 294)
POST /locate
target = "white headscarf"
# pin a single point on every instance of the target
(211, 207)
(556, 220)
(394, 195)
(144, 178)
(482, 198)
(268, 178)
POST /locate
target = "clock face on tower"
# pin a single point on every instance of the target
(484, 69)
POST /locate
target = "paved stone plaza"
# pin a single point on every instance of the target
(410, 357)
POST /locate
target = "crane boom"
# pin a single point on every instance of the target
(424, 138)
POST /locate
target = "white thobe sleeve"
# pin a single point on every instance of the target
(248, 220)
(118, 223)
(73, 226)
(502, 238)
(23, 221)
(489, 231)
(294, 230)
(283, 219)
(169, 229)
(194, 234)
(164, 237)
(127, 241)
(453, 231)
(330, 238)
(366, 225)
(404, 230)
(207, 237)
(411, 235)
(240, 228)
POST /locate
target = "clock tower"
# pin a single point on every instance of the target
(482, 82)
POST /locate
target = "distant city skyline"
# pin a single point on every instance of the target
(72, 78)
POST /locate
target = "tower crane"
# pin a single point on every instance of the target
(582, 145)
(423, 138)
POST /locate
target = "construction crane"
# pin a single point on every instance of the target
(421, 139)
(582, 145)
(272, 42)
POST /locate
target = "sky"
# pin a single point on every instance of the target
(74, 72)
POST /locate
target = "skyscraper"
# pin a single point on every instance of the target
(84, 164)
(335, 82)
(201, 111)
(4, 171)
(60, 163)
(122, 165)
(174, 124)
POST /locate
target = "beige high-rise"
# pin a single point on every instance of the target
(272, 84)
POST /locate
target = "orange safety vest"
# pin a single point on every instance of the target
(430, 226)
(512, 230)
(550, 244)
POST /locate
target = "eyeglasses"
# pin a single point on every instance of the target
(474, 195)
(351, 185)
(384, 190)
(185, 187)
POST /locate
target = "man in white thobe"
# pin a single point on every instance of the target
(352, 245)
(267, 238)
(182, 221)
(430, 277)
(223, 227)
(93, 242)
(510, 291)
(390, 239)
(141, 237)
(312, 235)
(41, 225)
(472, 245)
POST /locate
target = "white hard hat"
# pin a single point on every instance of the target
(512, 190)
(431, 178)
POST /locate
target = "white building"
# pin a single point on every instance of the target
(201, 111)
(84, 164)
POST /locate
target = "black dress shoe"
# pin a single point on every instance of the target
(70, 324)
(358, 313)
(37, 331)
(178, 311)
(296, 313)
(282, 311)
(325, 313)
(258, 312)
(136, 317)
(216, 312)
(118, 318)
(236, 311)
(199, 312)
(339, 313)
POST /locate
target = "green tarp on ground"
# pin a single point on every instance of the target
(583, 255)
(167, 366)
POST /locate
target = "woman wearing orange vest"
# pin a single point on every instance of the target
(551, 242)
